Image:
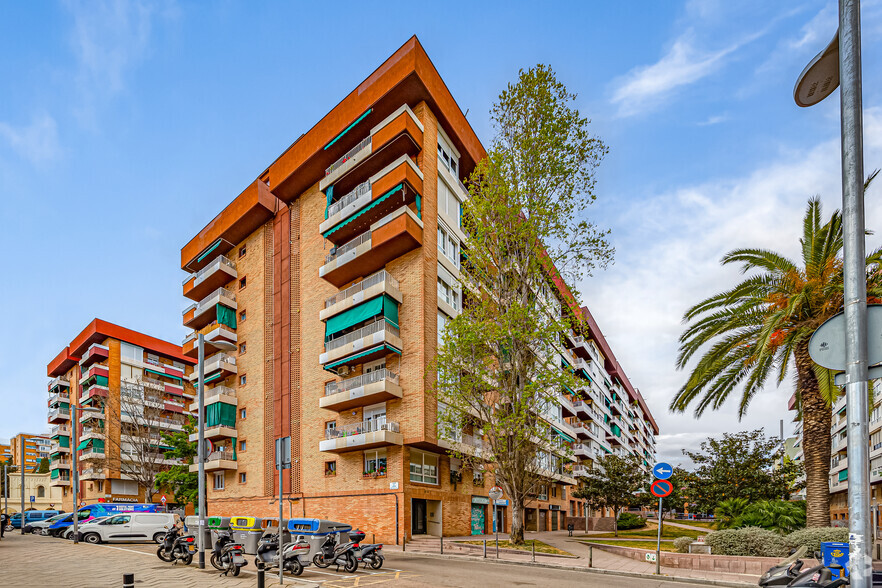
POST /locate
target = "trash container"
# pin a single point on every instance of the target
(832, 552)
(217, 524)
(247, 531)
(192, 524)
(270, 526)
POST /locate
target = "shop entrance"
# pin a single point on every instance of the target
(418, 516)
(554, 517)
(478, 519)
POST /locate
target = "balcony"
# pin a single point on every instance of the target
(92, 433)
(217, 460)
(580, 470)
(60, 464)
(93, 474)
(94, 391)
(370, 388)
(59, 384)
(197, 316)
(93, 453)
(59, 431)
(582, 451)
(217, 367)
(467, 445)
(388, 238)
(59, 415)
(583, 411)
(216, 274)
(217, 432)
(401, 133)
(96, 371)
(59, 397)
(87, 416)
(581, 431)
(58, 448)
(370, 342)
(399, 183)
(223, 394)
(363, 435)
(566, 405)
(58, 480)
(214, 333)
(95, 352)
(875, 424)
(372, 286)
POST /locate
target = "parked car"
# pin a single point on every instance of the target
(36, 527)
(32, 516)
(131, 526)
(67, 532)
(90, 512)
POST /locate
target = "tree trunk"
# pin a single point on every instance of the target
(816, 418)
(517, 522)
(616, 521)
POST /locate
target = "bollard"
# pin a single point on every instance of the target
(373, 538)
(128, 580)
(261, 576)
(534, 551)
(590, 556)
(485, 549)
(404, 543)
(497, 547)
(442, 543)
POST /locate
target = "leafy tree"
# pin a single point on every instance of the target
(615, 483)
(739, 465)
(780, 516)
(728, 512)
(761, 326)
(526, 233)
(677, 500)
(43, 468)
(178, 478)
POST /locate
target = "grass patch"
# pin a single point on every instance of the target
(651, 532)
(710, 526)
(527, 546)
(646, 545)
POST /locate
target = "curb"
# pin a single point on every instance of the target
(680, 579)
(510, 550)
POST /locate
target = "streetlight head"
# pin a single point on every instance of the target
(224, 345)
(820, 77)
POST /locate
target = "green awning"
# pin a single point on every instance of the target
(373, 204)
(209, 250)
(63, 440)
(570, 390)
(83, 444)
(97, 444)
(565, 364)
(563, 435)
(54, 475)
(226, 316)
(347, 129)
(385, 305)
(843, 475)
(220, 414)
(163, 374)
(212, 378)
(331, 366)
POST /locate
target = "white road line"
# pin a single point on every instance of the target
(129, 550)
(335, 574)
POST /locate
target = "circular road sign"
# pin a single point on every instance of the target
(827, 343)
(661, 488)
(662, 470)
(495, 493)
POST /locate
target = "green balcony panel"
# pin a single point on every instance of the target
(220, 414)
(382, 305)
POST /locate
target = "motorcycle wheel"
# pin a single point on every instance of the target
(187, 559)
(377, 562)
(319, 561)
(162, 554)
(215, 563)
(236, 570)
(351, 564)
(295, 568)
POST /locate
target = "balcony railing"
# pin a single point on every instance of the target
(57, 412)
(372, 280)
(346, 247)
(204, 303)
(375, 327)
(225, 454)
(218, 390)
(360, 190)
(348, 155)
(361, 428)
(91, 452)
(59, 430)
(362, 380)
(221, 260)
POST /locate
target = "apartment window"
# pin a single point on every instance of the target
(553, 491)
(448, 244)
(375, 463)
(242, 413)
(242, 478)
(241, 446)
(243, 281)
(447, 291)
(448, 203)
(330, 426)
(242, 316)
(218, 482)
(242, 348)
(442, 325)
(243, 379)
(243, 250)
(423, 467)
(447, 155)
(131, 352)
(543, 492)
(330, 468)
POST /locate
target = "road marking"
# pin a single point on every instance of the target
(129, 550)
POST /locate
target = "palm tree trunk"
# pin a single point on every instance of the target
(816, 418)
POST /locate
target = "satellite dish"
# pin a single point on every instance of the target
(827, 345)
(820, 77)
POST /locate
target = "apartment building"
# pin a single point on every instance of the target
(130, 387)
(6, 452)
(30, 449)
(333, 273)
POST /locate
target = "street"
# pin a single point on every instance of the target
(42, 561)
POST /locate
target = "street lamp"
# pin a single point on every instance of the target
(840, 62)
(200, 448)
(76, 465)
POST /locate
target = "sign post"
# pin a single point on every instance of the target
(283, 462)
(495, 494)
(661, 488)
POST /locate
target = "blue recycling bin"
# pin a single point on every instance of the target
(832, 552)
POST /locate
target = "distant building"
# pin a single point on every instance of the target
(37, 486)
(29, 449)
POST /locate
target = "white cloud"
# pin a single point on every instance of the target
(668, 252)
(713, 120)
(37, 142)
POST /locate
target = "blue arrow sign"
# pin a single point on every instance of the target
(662, 470)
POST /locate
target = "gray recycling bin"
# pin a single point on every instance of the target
(217, 524)
(270, 526)
(192, 524)
(247, 531)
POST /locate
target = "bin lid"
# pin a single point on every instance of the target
(317, 526)
(244, 523)
(218, 522)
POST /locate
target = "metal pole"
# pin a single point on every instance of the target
(498, 522)
(485, 549)
(200, 449)
(854, 245)
(533, 558)
(590, 556)
(658, 544)
(76, 472)
(279, 450)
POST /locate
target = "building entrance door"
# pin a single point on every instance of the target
(554, 516)
(543, 514)
(418, 516)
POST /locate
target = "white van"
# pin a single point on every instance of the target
(129, 526)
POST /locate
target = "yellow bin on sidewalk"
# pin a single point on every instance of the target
(247, 531)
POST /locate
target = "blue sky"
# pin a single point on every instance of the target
(126, 126)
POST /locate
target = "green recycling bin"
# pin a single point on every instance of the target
(217, 524)
(247, 531)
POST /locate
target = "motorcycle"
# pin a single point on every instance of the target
(294, 555)
(820, 577)
(176, 547)
(227, 555)
(786, 570)
(342, 554)
(369, 554)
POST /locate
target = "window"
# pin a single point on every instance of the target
(218, 482)
(330, 468)
(242, 478)
(423, 467)
(243, 281)
(242, 413)
(448, 203)
(375, 462)
(242, 316)
(241, 446)
(131, 352)
(448, 244)
(375, 416)
(41, 492)
(243, 379)
(448, 289)
(447, 154)
(442, 324)
(100, 485)
(330, 427)
(543, 492)
(243, 250)
(242, 348)
(554, 490)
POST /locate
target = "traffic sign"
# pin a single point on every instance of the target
(661, 488)
(495, 493)
(163, 499)
(827, 343)
(662, 470)
(33, 499)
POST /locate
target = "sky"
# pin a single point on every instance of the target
(126, 126)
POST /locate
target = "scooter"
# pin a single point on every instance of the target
(370, 554)
(227, 555)
(341, 555)
(786, 570)
(176, 547)
(295, 553)
(820, 577)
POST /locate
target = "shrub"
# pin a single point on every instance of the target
(812, 538)
(681, 544)
(775, 515)
(752, 541)
(629, 520)
(728, 511)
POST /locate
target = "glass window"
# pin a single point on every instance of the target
(241, 478)
(218, 481)
(241, 446)
(442, 325)
(375, 462)
(448, 203)
(133, 352)
(448, 244)
(242, 413)
(448, 293)
(423, 467)
(242, 316)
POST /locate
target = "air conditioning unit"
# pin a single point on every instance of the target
(455, 464)
(343, 370)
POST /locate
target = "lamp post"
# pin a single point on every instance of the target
(840, 62)
(76, 466)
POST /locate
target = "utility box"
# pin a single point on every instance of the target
(835, 553)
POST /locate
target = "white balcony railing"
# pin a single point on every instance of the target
(348, 155)
(375, 327)
(372, 280)
(362, 380)
(222, 260)
(58, 412)
(207, 301)
(369, 426)
(218, 390)
(360, 190)
(348, 246)
(221, 454)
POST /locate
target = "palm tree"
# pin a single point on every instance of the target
(756, 328)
